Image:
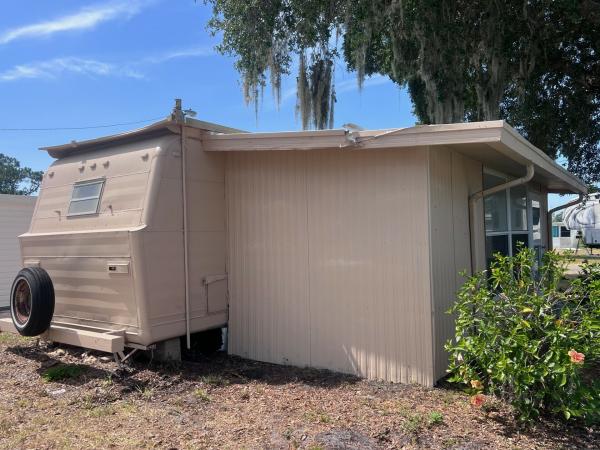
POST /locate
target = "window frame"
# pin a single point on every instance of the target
(529, 193)
(102, 182)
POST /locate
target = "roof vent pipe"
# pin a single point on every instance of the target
(483, 193)
(177, 115)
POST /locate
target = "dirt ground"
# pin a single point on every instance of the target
(228, 402)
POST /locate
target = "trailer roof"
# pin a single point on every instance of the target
(494, 143)
(160, 128)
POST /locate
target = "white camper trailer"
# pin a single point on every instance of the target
(578, 225)
(107, 229)
(337, 249)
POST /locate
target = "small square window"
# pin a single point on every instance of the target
(85, 197)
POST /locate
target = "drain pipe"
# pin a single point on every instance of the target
(179, 117)
(483, 193)
(552, 211)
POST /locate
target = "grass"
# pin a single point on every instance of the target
(413, 423)
(12, 339)
(63, 372)
(435, 418)
(202, 395)
(145, 392)
(318, 416)
(214, 380)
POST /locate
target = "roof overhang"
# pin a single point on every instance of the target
(494, 143)
(157, 129)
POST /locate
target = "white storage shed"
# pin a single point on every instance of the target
(15, 215)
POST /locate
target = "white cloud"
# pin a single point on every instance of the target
(86, 18)
(352, 85)
(53, 68)
(58, 66)
(175, 54)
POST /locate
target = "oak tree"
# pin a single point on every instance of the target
(532, 62)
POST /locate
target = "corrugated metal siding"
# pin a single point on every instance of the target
(452, 178)
(15, 216)
(268, 257)
(329, 261)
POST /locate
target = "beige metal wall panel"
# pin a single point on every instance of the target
(163, 210)
(207, 258)
(163, 277)
(76, 245)
(369, 278)
(452, 179)
(268, 257)
(329, 261)
(123, 196)
(205, 178)
(167, 210)
(15, 215)
(206, 201)
(85, 289)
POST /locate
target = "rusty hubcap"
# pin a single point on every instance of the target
(22, 302)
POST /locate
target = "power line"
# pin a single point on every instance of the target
(82, 128)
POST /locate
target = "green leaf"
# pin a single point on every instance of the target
(563, 380)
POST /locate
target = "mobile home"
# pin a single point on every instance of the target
(335, 249)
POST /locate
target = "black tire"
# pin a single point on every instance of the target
(32, 301)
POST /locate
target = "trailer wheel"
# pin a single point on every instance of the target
(32, 301)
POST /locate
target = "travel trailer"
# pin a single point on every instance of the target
(337, 249)
(578, 225)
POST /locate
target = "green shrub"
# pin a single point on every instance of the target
(521, 337)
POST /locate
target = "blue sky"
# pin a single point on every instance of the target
(72, 63)
(69, 63)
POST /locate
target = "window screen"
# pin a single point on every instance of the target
(85, 198)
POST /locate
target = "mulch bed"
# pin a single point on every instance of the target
(227, 402)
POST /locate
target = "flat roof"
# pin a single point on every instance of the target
(494, 143)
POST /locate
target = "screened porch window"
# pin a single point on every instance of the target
(512, 216)
(85, 197)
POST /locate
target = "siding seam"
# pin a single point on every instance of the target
(432, 274)
(308, 257)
